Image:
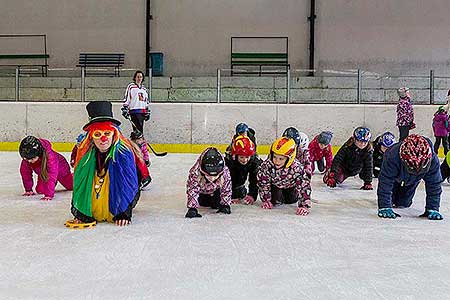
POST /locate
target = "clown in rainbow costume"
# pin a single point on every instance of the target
(107, 171)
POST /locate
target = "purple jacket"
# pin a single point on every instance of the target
(440, 124)
(57, 168)
(198, 184)
(405, 112)
(284, 178)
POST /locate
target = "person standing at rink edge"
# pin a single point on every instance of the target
(135, 102)
(405, 113)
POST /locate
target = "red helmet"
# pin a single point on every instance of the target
(242, 145)
(416, 154)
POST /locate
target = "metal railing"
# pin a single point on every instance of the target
(429, 82)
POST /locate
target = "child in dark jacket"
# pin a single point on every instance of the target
(404, 166)
(241, 129)
(320, 151)
(208, 184)
(380, 145)
(354, 157)
(243, 163)
(50, 166)
(281, 178)
(441, 129)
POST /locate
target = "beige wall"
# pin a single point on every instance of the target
(401, 36)
(76, 26)
(385, 36)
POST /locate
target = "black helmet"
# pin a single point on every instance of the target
(30, 147)
(212, 162)
(292, 133)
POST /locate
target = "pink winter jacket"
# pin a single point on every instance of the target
(315, 153)
(57, 167)
(197, 184)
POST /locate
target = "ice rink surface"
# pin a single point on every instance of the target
(342, 250)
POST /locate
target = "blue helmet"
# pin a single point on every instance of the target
(387, 139)
(292, 133)
(241, 128)
(362, 134)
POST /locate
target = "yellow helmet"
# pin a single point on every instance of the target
(286, 147)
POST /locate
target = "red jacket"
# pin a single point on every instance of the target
(315, 153)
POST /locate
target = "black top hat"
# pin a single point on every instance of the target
(100, 111)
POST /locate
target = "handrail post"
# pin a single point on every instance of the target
(83, 84)
(150, 83)
(431, 86)
(288, 86)
(359, 91)
(17, 83)
(218, 86)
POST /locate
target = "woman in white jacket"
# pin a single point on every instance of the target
(135, 103)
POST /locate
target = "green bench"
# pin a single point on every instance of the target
(14, 57)
(250, 59)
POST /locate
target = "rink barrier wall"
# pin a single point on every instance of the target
(190, 127)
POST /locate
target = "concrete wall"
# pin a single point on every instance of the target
(208, 123)
(383, 36)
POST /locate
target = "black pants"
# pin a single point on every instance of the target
(212, 201)
(445, 170)
(286, 196)
(239, 192)
(321, 165)
(444, 140)
(403, 132)
(138, 121)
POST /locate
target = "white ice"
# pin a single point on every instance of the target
(342, 250)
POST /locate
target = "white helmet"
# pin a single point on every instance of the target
(304, 141)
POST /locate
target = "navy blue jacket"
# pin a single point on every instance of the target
(393, 171)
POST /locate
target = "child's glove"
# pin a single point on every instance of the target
(267, 205)
(330, 181)
(367, 187)
(387, 213)
(192, 213)
(29, 193)
(303, 211)
(225, 209)
(432, 215)
(249, 200)
(125, 112)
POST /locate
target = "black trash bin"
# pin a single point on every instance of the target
(157, 63)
